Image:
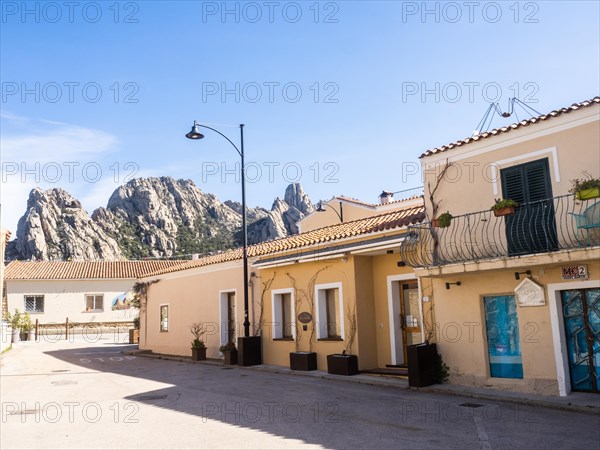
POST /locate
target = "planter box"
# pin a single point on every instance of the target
(134, 336)
(303, 361)
(421, 364)
(587, 194)
(339, 364)
(436, 223)
(504, 211)
(250, 351)
(199, 354)
(231, 357)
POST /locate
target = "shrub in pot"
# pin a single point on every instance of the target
(14, 320)
(198, 346)
(443, 220)
(229, 351)
(345, 363)
(504, 207)
(26, 326)
(585, 188)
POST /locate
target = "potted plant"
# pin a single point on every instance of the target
(229, 351)
(443, 220)
(14, 320)
(134, 333)
(585, 188)
(25, 326)
(345, 363)
(198, 346)
(504, 207)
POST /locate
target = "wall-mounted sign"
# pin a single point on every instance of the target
(574, 272)
(305, 317)
(529, 293)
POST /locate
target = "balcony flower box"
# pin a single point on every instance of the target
(504, 207)
(442, 221)
(587, 194)
(585, 188)
(506, 211)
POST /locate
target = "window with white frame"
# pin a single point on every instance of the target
(164, 317)
(283, 314)
(34, 303)
(94, 302)
(330, 307)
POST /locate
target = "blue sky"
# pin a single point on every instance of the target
(331, 92)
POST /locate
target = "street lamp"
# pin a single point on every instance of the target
(195, 134)
(321, 205)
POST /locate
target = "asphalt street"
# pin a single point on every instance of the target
(78, 394)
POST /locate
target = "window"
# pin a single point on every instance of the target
(283, 314)
(330, 309)
(164, 317)
(502, 327)
(94, 302)
(34, 303)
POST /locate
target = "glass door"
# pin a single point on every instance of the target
(581, 312)
(410, 315)
(502, 327)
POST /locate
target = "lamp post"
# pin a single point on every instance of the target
(195, 134)
(340, 214)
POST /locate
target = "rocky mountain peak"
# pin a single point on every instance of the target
(156, 216)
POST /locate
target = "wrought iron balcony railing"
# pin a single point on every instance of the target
(543, 226)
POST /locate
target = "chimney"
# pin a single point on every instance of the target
(195, 256)
(386, 197)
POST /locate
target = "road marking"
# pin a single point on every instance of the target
(95, 353)
(484, 439)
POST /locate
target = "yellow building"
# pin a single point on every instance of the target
(516, 298)
(345, 277)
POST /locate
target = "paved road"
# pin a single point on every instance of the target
(90, 395)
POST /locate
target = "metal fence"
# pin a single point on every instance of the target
(543, 226)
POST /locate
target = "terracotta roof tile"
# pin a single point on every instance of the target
(514, 126)
(82, 270)
(382, 222)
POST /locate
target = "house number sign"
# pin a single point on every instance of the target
(305, 317)
(573, 272)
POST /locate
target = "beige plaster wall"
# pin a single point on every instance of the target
(467, 185)
(192, 296)
(460, 330)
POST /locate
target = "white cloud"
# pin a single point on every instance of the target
(55, 155)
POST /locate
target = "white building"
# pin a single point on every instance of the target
(82, 291)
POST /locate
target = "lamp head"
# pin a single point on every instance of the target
(195, 134)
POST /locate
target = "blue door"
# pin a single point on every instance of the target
(502, 327)
(581, 312)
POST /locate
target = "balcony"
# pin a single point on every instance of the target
(553, 224)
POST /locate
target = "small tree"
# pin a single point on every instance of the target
(14, 320)
(198, 332)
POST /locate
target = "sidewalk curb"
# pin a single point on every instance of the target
(390, 383)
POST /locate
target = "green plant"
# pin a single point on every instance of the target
(14, 320)
(136, 322)
(229, 347)
(441, 371)
(582, 184)
(503, 203)
(445, 219)
(25, 324)
(197, 343)
(197, 331)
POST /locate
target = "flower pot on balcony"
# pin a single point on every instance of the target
(199, 354)
(507, 211)
(587, 194)
(341, 364)
(303, 361)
